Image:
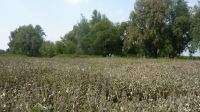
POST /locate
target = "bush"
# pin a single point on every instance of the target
(48, 49)
(2, 51)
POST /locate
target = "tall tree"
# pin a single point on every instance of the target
(60, 47)
(148, 18)
(26, 40)
(178, 32)
(195, 29)
(77, 34)
(131, 41)
(96, 17)
(160, 27)
(105, 38)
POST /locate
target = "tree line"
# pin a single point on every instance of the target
(156, 28)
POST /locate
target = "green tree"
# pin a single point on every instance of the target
(195, 29)
(148, 19)
(103, 38)
(26, 40)
(99, 36)
(82, 30)
(48, 49)
(178, 28)
(60, 46)
(70, 47)
(159, 27)
(2, 51)
(77, 35)
(132, 43)
(96, 17)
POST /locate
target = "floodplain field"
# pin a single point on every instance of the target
(99, 85)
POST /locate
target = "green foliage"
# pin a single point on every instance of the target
(96, 17)
(147, 21)
(48, 49)
(159, 27)
(69, 48)
(195, 29)
(99, 36)
(179, 34)
(75, 38)
(26, 40)
(39, 108)
(2, 51)
(155, 28)
(60, 46)
(131, 43)
(103, 38)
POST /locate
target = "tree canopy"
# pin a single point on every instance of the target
(156, 28)
(99, 36)
(195, 29)
(48, 49)
(26, 40)
(160, 27)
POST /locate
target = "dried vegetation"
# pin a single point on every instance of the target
(99, 84)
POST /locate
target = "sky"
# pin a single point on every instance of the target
(57, 17)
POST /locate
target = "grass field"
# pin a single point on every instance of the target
(99, 84)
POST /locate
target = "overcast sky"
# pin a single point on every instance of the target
(57, 17)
